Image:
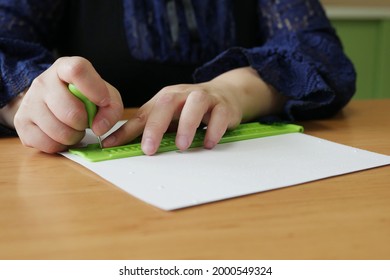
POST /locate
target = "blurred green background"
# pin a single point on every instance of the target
(365, 34)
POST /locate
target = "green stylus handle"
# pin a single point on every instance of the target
(90, 107)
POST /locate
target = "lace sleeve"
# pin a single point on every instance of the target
(301, 56)
(26, 30)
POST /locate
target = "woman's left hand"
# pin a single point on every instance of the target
(221, 104)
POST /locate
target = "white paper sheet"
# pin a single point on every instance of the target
(175, 180)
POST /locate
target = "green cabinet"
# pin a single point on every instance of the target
(367, 43)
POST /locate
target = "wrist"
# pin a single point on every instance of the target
(7, 113)
(255, 96)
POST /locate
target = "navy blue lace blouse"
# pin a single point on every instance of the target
(291, 44)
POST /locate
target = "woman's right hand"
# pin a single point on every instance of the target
(51, 119)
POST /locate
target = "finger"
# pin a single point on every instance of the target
(129, 131)
(107, 116)
(197, 104)
(45, 118)
(81, 73)
(158, 120)
(55, 129)
(60, 103)
(217, 125)
(32, 136)
(33, 110)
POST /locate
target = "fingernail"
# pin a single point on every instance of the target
(209, 144)
(148, 146)
(182, 142)
(109, 141)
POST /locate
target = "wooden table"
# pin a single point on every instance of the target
(51, 208)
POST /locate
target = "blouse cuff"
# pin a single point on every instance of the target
(291, 75)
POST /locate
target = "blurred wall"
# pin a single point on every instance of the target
(364, 3)
(364, 29)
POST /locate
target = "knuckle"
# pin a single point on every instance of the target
(140, 116)
(174, 88)
(167, 89)
(118, 109)
(18, 121)
(165, 97)
(38, 82)
(117, 104)
(198, 96)
(21, 122)
(75, 66)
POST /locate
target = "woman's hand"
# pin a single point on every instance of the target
(222, 103)
(50, 118)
